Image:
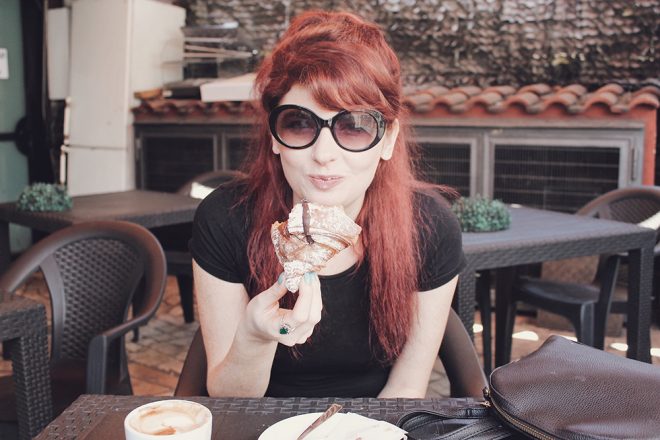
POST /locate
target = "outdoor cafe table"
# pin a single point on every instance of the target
(23, 329)
(538, 235)
(150, 209)
(233, 418)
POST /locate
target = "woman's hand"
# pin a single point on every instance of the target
(266, 321)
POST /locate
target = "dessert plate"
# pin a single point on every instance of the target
(336, 427)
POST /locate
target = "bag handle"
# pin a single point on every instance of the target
(473, 423)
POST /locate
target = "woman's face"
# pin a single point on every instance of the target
(324, 173)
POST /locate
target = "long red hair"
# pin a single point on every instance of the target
(345, 63)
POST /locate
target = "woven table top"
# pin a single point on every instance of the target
(233, 418)
(536, 235)
(147, 208)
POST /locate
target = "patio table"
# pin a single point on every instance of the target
(538, 235)
(23, 329)
(150, 209)
(233, 418)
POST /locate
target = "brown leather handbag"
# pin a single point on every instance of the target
(566, 390)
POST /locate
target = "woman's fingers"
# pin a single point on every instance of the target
(305, 337)
(308, 288)
(271, 296)
(306, 313)
(317, 303)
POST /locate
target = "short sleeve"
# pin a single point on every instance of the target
(218, 243)
(441, 242)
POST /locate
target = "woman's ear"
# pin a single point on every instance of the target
(275, 146)
(391, 134)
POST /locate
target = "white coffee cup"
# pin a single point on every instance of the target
(169, 420)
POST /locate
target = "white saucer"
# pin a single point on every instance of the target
(291, 428)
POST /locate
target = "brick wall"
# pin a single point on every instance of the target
(482, 42)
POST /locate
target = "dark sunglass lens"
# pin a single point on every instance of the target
(356, 130)
(295, 128)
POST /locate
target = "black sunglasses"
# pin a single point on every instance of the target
(297, 127)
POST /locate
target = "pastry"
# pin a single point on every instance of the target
(310, 237)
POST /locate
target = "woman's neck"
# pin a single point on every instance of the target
(340, 262)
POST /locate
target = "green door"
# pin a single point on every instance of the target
(13, 165)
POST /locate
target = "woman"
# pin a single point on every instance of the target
(370, 323)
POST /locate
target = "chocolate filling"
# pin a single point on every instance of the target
(306, 217)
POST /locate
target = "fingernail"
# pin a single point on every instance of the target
(280, 279)
(309, 277)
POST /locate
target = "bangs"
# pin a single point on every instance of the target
(343, 79)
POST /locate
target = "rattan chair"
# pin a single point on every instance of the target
(175, 240)
(587, 304)
(457, 353)
(92, 271)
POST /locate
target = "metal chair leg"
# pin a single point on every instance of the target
(485, 311)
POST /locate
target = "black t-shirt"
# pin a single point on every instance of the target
(338, 361)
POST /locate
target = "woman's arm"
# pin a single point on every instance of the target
(411, 371)
(241, 335)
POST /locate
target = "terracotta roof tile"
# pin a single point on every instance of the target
(536, 98)
(563, 98)
(467, 90)
(162, 107)
(452, 98)
(436, 91)
(576, 89)
(645, 99)
(611, 88)
(527, 100)
(420, 102)
(502, 90)
(598, 97)
(485, 99)
(573, 99)
(539, 89)
(653, 90)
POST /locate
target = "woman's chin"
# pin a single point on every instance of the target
(324, 200)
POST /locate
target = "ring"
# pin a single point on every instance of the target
(285, 328)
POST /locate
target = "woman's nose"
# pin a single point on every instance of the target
(325, 149)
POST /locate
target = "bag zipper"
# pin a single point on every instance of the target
(516, 423)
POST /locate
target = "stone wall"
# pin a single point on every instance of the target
(481, 42)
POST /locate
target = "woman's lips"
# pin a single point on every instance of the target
(325, 182)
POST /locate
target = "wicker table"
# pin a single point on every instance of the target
(147, 208)
(23, 329)
(233, 418)
(536, 236)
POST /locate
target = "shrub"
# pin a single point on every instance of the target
(44, 197)
(479, 214)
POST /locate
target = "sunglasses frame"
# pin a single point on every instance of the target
(322, 123)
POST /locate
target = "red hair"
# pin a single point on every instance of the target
(345, 63)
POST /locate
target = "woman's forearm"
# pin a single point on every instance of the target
(391, 391)
(245, 371)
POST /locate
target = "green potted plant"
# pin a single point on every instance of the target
(44, 197)
(480, 214)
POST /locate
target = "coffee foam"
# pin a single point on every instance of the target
(169, 418)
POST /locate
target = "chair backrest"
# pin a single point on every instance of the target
(174, 238)
(93, 270)
(211, 179)
(457, 353)
(629, 205)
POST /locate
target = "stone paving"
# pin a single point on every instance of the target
(156, 359)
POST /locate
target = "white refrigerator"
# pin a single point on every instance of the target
(118, 47)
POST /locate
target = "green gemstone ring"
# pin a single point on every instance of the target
(285, 328)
